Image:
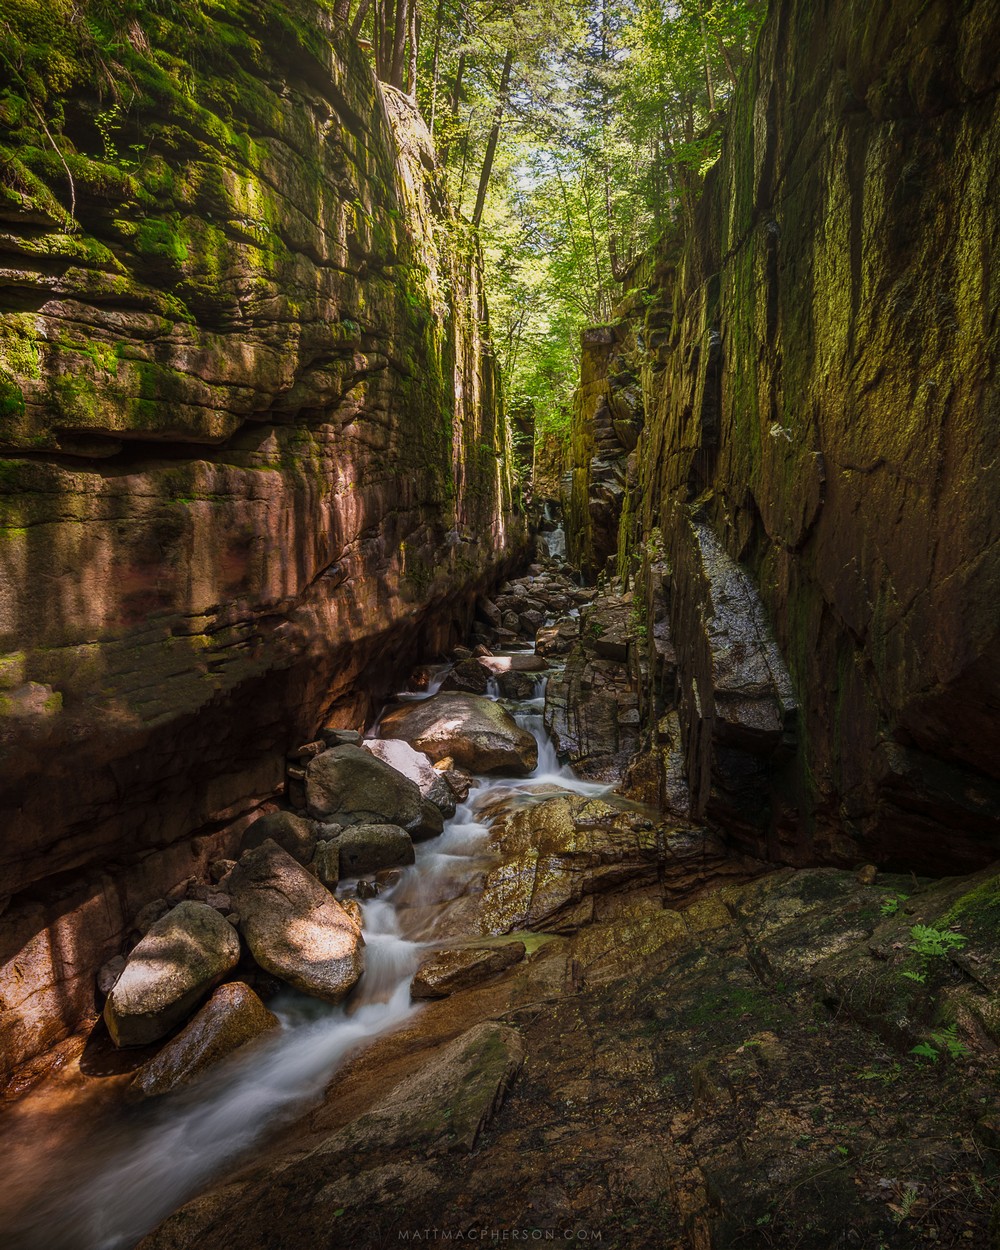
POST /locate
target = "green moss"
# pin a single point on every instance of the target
(11, 398)
(158, 238)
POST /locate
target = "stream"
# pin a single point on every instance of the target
(142, 1162)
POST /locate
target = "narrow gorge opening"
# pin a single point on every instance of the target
(498, 569)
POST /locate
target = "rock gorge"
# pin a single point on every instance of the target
(254, 463)
(812, 367)
(392, 847)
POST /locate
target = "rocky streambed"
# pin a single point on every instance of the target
(462, 988)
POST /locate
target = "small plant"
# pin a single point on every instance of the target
(885, 1075)
(907, 1201)
(932, 943)
(929, 943)
(892, 905)
(945, 1040)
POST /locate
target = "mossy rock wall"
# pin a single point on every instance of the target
(252, 455)
(827, 397)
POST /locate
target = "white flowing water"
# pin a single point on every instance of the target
(555, 542)
(145, 1162)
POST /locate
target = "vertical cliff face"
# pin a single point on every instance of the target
(252, 460)
(823, 419)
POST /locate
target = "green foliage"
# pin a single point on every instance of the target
(934, 943)
(612, 119)
(944, 1040)
(929, 944)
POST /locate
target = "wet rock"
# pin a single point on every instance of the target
(147, 916)
(477, 733)
(469, 676)
(326, 863)
(488, 611)
(342, 737)
(555, 853)
(305, 753)
(294, 834)
(515, 685)
(442, 1108)
(431, 823)
(388, 878)
(220, 900)
(352, 908)
(512, 622)
(459, 782)
(557, 639)
(108, 974)
(351, 786)
(370, 848)
(446, 972)
(169, 972)
(366, 889)
(415, 765)
(180, 891)
(527, 663)
(219, 869)
(233, 1016)
(293, 925)
(530, 622)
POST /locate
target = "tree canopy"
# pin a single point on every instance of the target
(572, 133)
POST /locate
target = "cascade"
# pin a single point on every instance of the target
(120, 1188)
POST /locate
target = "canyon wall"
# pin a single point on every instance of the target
(820, 454)
(252, 460)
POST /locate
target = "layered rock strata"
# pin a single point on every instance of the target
(248, 447)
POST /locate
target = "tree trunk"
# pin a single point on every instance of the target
(491, 146)
(728, 59)
(403, 8)
(708, 69)
(456, 98)
(411, 66)
(359, 17)
(435, 64)
(342, 10)
(383, 46)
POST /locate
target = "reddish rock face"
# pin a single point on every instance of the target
(240, 458)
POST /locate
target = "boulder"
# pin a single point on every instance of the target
(468, 675)
(219, 869)
(108, 974)
(293, 834)
(515, 685)
(531, 621)
(477, 733)
(525, 663)
(184, 954)
(233, 1016)
(294, 926)
(326, 863)
(488, 611)
(352, 786)
(353, 909)
(402, 757)
(147, 916)
(340, 737)
(445, 972)
(432, 822)
(370, 848)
